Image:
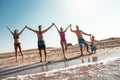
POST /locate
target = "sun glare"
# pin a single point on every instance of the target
(77, 5)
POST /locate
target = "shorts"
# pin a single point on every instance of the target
(82, 41)
(41, 45)
(93, 47)
(17, 44)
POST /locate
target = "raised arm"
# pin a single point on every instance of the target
(10, 30)
(67, 28)
(57, 28)
(31, 29)
(22, 31)
(96, 40)
(90, 37)
(48, 28)
(71, 28)
(86, 33)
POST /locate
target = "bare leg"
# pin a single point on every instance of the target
(40, 55)
(15, 47)
(87, 49)
(65, 46)
(45, 53)
(81, 50)
(21, 52)
(94, 51)
(63, 50)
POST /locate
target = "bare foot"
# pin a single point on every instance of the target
(65, 57)
(41, 61)
(89, 52)
(22, 58)
(82, 54)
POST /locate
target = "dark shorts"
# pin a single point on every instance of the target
(82, 41)
(17, 44)
(41, 45)
(93, 47)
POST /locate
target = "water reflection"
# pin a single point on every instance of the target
(83, 60)
(92, 59)
(37, 68)
(44, 68)
(66, 64)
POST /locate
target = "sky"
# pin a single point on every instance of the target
(101, 18)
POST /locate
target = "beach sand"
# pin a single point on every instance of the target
(104, 47)
(105, 70)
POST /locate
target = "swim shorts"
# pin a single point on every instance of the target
(17, 44)
(41, 45)
(82, 41)
(93, 47)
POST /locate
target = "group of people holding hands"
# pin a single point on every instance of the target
(41, 43)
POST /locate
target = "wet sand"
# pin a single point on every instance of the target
(105, 47)
(96, 71)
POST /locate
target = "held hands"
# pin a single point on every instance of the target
(25, 26)
(52, 24)
(90, 34)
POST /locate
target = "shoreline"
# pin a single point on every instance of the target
(86, 71)
(31, 56)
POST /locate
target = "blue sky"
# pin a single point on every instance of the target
(98, 17)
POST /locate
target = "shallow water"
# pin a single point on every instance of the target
(39, 68)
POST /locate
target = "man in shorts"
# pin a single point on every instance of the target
(41, 43)
(80, 38)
